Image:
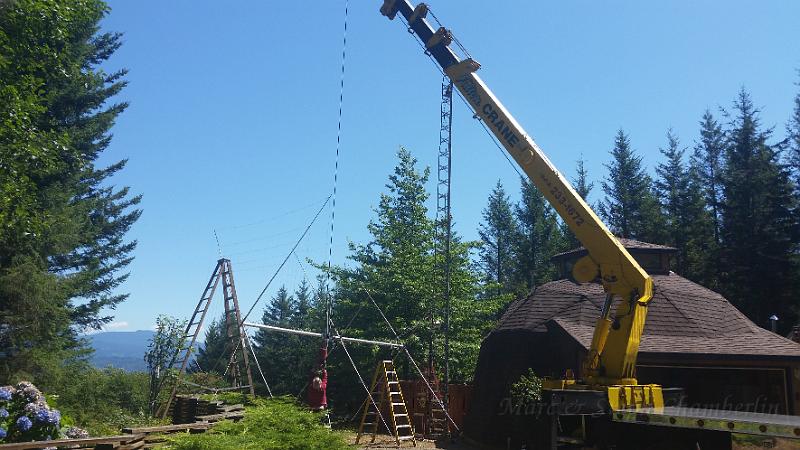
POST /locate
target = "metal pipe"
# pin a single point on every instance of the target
(313, 334)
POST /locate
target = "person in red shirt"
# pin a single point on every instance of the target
(317, 390)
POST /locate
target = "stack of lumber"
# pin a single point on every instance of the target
(190, 414)
(123, 442)
(190, 409)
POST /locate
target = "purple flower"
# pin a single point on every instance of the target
(5, 395)
(3, 413)
(24, 424)
(2, 433)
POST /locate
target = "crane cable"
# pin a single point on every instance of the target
(328, 302)
(461, 96)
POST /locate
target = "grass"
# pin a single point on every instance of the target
(274, 424)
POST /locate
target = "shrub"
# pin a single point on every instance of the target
(25, 415)
(275, 424)
(527, 390)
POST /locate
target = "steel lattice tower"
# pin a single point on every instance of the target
(444, 218)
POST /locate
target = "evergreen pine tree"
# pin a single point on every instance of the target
(303, 306)
(278, 352)
(538, 239)
(62, 249)
(583, 187)
(672, 187)
(211, 355)
(708, 160)
(688, 223)
(793, 137)
(400, 270)
(498, 233)
(701, 249)
(630, 208)
(758, 229)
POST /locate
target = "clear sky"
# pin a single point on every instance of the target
(233, 115)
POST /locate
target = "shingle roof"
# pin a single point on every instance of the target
(629, 244)
(683, 317)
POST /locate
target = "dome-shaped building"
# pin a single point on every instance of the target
(693, 338)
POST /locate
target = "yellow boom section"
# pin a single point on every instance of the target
(615, 345)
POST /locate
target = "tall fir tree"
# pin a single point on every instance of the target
(793, 138)
(688, 223)
(630, 208)
(303, 313)
(583, 187)
(63, 250)
(672, 186)
(538, 239)
(701, 254)
(708, 160)
(279, 353)
(400, 270)
(758, 229)
(498, 233)
(211, 355)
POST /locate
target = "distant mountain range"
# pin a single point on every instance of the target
(121, 349)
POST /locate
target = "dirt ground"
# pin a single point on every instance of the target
(756, 443)
(387, 442)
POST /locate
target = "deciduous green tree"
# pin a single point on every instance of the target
(161, 350)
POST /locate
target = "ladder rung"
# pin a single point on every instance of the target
(394, 382)
(404, 438)
(398, 404)
(402, 426)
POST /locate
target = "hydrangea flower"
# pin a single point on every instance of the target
(76, 433)
(24, 423)
(3, 414)
(42, 415)
(2, 433)
(5, 393)
(34, 408)
(54, 417)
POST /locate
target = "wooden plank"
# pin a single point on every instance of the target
(229, 408)
(69, 442)
(223, 416)
(133, 445)
(168, 428)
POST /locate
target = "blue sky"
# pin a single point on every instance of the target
(233, 117)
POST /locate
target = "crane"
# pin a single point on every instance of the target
(611, 359)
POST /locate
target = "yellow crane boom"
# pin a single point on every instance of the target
(611, 359)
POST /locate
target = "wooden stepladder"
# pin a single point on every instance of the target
(387, 396)
(238, 370)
